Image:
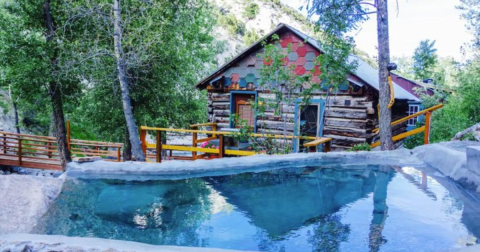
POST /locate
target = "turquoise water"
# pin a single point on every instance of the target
(362, 208)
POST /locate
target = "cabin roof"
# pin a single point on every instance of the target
(364, 71)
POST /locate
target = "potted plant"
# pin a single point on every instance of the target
(209, 145)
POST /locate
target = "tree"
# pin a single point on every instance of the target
(31, 53)
(166, 46)
(134, 138)
(424, 60)
(336, 18)
(471, 13)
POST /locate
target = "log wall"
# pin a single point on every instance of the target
(350, 118)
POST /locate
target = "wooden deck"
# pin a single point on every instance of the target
(31, 151)
(30, 162)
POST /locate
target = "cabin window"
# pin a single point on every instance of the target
(412, 109)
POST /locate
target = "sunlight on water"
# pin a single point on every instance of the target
(370, 208)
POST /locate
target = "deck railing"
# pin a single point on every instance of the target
(425, 128)
(211, 135)
(42, 152)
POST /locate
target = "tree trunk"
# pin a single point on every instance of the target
(127, 147)
(55, 94)
(121, 71)
(15, 109)
(383, 60)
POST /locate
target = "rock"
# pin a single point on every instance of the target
(58, 243)
(86, 159)
(450, 158)
(24, 199)
(473, 159)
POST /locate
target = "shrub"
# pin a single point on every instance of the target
(360, 147)
(232, 25)
(251, 10)
(250, 37)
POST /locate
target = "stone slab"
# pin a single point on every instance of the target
(59, 243)
(24, 199)
(473, 159)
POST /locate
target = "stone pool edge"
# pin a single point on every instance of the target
(35, 242)
(226, 166)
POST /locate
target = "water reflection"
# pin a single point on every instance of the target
(311, 209)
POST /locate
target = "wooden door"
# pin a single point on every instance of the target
(244, 110)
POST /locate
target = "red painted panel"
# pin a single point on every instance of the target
(301, 61)
(295, 47)
(267, 61)
(299, 70)
(302, 51)
(310, 48)
(316, 71)
(285, 61)
(235, 77)
(285, 41)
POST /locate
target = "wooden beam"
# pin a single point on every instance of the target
(194, 144)
(143, 139)
(402, 136)
(221, 148)
(159, 147)
(414, 115)
(426, 136)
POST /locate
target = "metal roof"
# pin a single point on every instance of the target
(364, 71)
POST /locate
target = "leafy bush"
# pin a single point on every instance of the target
(250, 37)
(415, 140)
(361, 147)
(232, 25)
(251, 10)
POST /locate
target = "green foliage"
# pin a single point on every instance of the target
(251, 10)
(424, 60)
(168, 47)
(360, 147)
(461, 109)
(471, 13)
(415, 140)
(250, 37)
(232, 25)
(334, 62)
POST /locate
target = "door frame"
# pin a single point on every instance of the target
(321, 113)
(233, 107)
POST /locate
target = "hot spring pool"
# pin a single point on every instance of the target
(362, 208)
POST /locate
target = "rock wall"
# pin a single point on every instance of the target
(24, 199)
(460, 161)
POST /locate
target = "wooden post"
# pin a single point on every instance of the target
(119, 154)
(327, 147)
(19, 151)
(49, 149)
(194, 144)
(426, 136)
(159, 146)
(143, 139)
(221, 147)
(4, 143)
(214, 128)
(68, 135)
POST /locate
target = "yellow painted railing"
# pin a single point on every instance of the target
(426, 128)
(220, 135)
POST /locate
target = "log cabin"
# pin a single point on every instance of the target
(348, 116)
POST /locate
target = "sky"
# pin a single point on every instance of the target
(411, 22)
